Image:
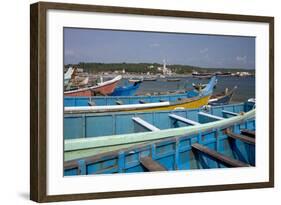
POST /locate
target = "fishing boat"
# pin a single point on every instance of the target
(127, 90)
(135, 80)
(218, 149)
(202, 75)
(150, 79)
(222, 98)
(173, 79)
(125, 100)
(87, 135)
(68, 75)
(186, 103)
(103, 88)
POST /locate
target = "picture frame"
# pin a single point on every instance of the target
(40, 92)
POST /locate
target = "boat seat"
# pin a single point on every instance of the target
(119, 102)
(210, 116)
(145, 124)
(183, 119)
(151, 165)
(229, 162)
(246, 139)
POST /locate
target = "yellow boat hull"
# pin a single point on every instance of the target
(186, 104)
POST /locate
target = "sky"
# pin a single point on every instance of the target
(111, 46)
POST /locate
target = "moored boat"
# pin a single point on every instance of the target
(186, 103)
(212, 149)
(103, 88)
(150, 79)
(127, 90)
(91, 134)
(202, 75)
(68, 75)
(125, 100)
(173, 79)
(222, 98)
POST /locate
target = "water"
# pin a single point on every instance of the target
(245, 90)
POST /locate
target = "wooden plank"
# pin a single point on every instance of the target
(145, 124)
(243, 138)
(249, 133)
(219, 157)
(151, 165)
(183, 119)
(211, 116)
(229, 113)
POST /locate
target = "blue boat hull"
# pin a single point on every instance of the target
(95, 125)
(113, 100)
(127, 90)
(172, 154)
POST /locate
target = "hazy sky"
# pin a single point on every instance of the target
(107, 46)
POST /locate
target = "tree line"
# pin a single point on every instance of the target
(91, 67)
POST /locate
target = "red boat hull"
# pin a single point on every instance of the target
(104, 90)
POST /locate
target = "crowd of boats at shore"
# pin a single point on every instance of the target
(110, 129)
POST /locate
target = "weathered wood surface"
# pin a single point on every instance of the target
(151, 165)
(243, 138)
(219, 157)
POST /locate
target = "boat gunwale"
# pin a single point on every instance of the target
(167, 131)
(98, 85)
(75, 109)
(145, 112)
(73, 163)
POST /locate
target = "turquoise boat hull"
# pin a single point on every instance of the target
(175, 153)
(114, 100)
(95, 125)
(128, 90)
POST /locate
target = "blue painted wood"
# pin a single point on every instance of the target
(173, 154)
(127, 90)
(111, 100)
(105, 124)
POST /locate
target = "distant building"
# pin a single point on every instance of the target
(165, 70)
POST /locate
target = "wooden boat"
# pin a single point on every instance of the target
(187, 103)
(222, 98)
(128, 90)
(149, 79)
(213, 149)
(134, 80)
(124, 100)
(93, 134)
(173, 79)
(223, 74)
(68, 75)
(103, 88)
(202, 75)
